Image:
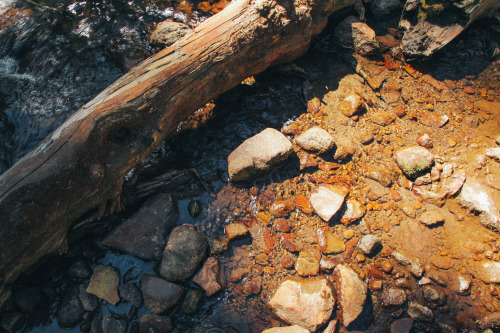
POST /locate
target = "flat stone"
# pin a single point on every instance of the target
(464, 283)
(345, 149)
(328, 199)
(130, 293)
(316, 140)
(287, 329)
(424, 140)
(432, 119)
(488, 271)
(185, 249)
(419, 312)
(431, 218)
(352, 105)
(402, 325)
(144, 233)
(379, 173)
(328, 242)
(158, 294)
(392, 297)
(104, 284)
(261, 238)
(369, 244)
(167, 33)
(236, 230)
(382, 118)
(308, 262)
(442, 262)
(305, 302)
(351, 292)
(477, 197)
(281, 208)
(152, 323)
(414, 160)
(258, 155)
(210, 277)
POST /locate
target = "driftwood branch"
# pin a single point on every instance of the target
(82, 164)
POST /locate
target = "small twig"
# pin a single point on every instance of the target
(205, 185)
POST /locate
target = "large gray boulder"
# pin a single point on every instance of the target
(258, 155)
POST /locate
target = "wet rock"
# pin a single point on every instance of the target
(281, 208)
(316, 140)
(167, 33)
(104, 284)
(327, 200)
(345, 149)
(158, 294)
(307, 161)
(287, 329)
(432, 119)
(369, 244)
(27, 298)
(113, 325)
(392, 297)
(194, 208)
(382, 118)
(80, 269)
(434, 294)
(352, 105)
(185, 249)
(329, 264)
(364, 38)
(435, 276)
(70, 311)
(288, 262)
(489, 321)
(13, 321)
(89, 301)
(218, 246)
(431, 218)
(413, 266)
(414, 160)
(210, 277)
(261, 238)
(477, 197)
(355, 210)
(375, 285)
(332, 326)
(351, 292)
(424, 140)
(381, 9)
(236, 230)
(282, 225)
(328, 242)
(423, 180)
(402, 325)
(192, 301)
(144, 233)
(308, 262)
(305, 302)
(488, 271)
(419, 312)
(464, 282)
(258, 155)
(130, 293)
(152, 323)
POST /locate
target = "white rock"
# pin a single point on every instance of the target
(414, 160)
(327, 200)
(476, 197)
(493, 153)
(463, 283)
(316, 140)
(488, 271)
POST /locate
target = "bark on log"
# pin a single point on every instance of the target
(82, 164)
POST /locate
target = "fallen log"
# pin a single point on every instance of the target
(82, 164)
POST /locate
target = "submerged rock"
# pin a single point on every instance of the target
(384, 8)
(414, 160)
(130, 293)
(488, 271)
(308, 262)
(192, 301)
(305, 302)
(236, 230)
(13, 321)
(328, 199)
(152, 323)
(113, 325)
(258, 155)
(402, 325)
(144, 233)
(351, 292)
(70, 311)
(104, 284)
(185, 249)
(80, 269)
(413, 266)
(355, 210)
(392, 297)
(489, 321)
(328, 242)
(316, 140)
(210, 277)
(352, 105)
(419, 312)
(158, 294)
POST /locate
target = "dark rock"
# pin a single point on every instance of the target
(151, 323)
(489, 321)
(104, 284)
(130, 293)
(96, 326)
(352, 34)
(402, 325)
(70, 311)
(185, 249)
(192, 302)
(112, 325)
(210, 277)
(80, 269)
(12, 321)
(27, 298)
(218, 246)
(392, 297)
(194, 208)
(167, 33)
(144, 233)
(434, 294)
(158, 294)
(419, 312)
(89, 302)
(384, 8)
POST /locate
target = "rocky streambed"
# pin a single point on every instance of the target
(338, 193)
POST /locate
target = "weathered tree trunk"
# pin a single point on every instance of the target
(82, 164)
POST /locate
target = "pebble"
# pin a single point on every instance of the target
(281, 208)
(104, 284)
(392, 297)
(210, 277)
(258, 155)
(414, 160)
(352, 105)
(308, 262)
(236, 230)
(89, 301)
(151, 323)
(489, 321)
(477, 197)
(80, 269)
(345, 149)
(365, 138)
(281, 225)
(159, 294)
(194, 208)
(316, 140)
(442, 262)
(402, 325)
(113, 325)
(328, 199)
(431, 218)
(364, 37)
(287, 262)
(348, 234)
(185, 250)
(218, 246)
(192, 301)
(369, 244)
(130, 293)
(419, 312)
(355, 210)
(414, 267)
(328, 264)
(352, 293)
(488, 271)
(464, 283)
(287, 329)
(328, 242)
(434, 294)
(70, 310)
(305, 302)
(375, 285)
(382, 118)
(424, 140)
(493, 153)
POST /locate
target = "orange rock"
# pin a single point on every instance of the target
(329, 166)
(469, 90)
(204, 6)
(328, 242)
(236, 230)
(313, 105)
(282, 208)
(218, 7)
(304, 204)
(442, 262)
(399, 111)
